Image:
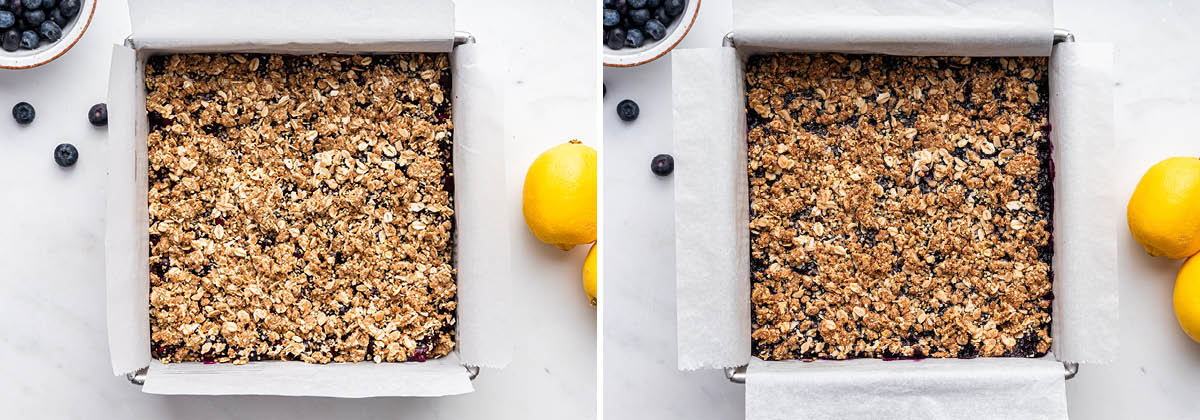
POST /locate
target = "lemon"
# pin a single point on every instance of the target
(1163, 211)
(589, 274)
(1187, 298)
(559, 199)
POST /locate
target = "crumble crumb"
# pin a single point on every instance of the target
(301, 208)
(900, 206)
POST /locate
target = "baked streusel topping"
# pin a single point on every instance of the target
(900, 206)
(301, 208)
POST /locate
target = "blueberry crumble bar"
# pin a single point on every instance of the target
(301, 208)
(900, 206)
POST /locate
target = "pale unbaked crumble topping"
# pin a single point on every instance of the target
(301, 208)
(900, 206)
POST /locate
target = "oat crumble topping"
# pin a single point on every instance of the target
(301, 208)
(900, 206)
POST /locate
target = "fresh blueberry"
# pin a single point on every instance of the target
(634, 38)
(49, 4)
(98, 115)
(637, 4)
(65, 155)
(650, 4)
(674, 7)
(57, 16)
(627, 110)
(621, 6)
(7, 19)
(23, 112)
(32, 4)
(69, 7)
(639, 17)
(662, 165)
(660, 14)
(608, 4)
(4, 4)
(29, 40)
(35, 17)
(656, 29)
(616, 38)
(611, 18)
(11, 40)
(50, 31)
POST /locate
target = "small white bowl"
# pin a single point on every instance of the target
(24, 59)
(652, 50)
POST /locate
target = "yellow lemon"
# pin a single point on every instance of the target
(1164, 211)
(1187, 298)
(589, 274)
(560, 195)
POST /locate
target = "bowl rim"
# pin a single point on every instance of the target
(91, 4)
(687, 27)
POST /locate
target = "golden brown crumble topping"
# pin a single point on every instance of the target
(300, 208)
(900, 206)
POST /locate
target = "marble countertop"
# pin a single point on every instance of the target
(1158, 374)
(52, 292)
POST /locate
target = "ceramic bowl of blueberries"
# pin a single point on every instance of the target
(637, 32)
(35, 32)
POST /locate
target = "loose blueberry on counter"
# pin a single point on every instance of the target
(616, 38)
(29, 40)
(23, 112)
(35, 17)
(32, 4)
(656, 30)
(637, 4)
(98, 115)
(638, 17)
(50, 31)
(7, 19)
(71, 7)
(11, 40)
(674, 7)
(662, 165)
(628, 110)
(65, 155)
(634, 38)
(611, 18)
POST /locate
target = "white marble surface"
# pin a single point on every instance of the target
(53, 350)
(1158, 375)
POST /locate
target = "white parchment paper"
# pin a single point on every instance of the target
(281, 26)
(951, 389)
(127, 219)
(481, 242)
(911, 27)
(444, 376)
(1084, 320)
(481, 248)
(712, 216)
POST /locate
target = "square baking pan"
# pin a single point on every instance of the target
(711, 187)
(357, 27)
